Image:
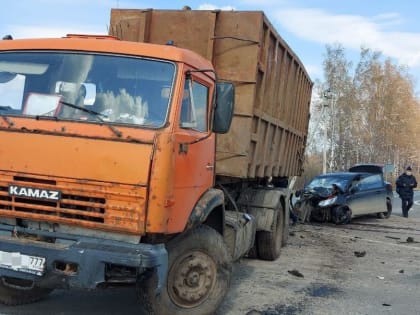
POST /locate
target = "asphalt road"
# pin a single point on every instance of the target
(385, 281)
(414, 211)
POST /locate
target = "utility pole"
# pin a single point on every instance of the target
(327, 95)
(324, 153)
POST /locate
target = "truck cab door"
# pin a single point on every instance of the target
(194, 147)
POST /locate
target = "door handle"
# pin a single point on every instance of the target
(209, 167)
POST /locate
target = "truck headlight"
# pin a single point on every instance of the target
(327, 202)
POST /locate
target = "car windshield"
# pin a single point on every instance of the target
(81, 86)
(326, 181)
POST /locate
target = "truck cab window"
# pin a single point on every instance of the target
(118, 89)
(194, 106)
(12, 87)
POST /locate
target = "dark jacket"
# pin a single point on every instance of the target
(405, 184)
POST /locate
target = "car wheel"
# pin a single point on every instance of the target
(387, 213)
(341, 215)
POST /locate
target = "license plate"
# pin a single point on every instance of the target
(23, 263)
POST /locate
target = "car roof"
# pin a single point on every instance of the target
(342, 174)
(367, 168)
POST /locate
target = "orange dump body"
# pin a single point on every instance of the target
(272, 88)
(120, 176)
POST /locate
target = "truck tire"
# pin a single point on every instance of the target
(199, 270)
(269, 244)
(17, 292)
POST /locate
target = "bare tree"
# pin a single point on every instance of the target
(372, 116)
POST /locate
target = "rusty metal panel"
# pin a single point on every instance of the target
(273, 90)
(233, 149)
(236, 45)
(193, 30)
(83, 203)
(131, 25)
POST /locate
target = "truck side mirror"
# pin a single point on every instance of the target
(223, 112)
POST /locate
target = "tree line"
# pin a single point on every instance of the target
(363, 113)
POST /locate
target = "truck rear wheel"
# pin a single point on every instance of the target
(199, 272)
(269, 244)
(17, 291)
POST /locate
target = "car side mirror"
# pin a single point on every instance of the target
(223, 112)
(354, 189)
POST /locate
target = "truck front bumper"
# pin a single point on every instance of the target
(87, 257)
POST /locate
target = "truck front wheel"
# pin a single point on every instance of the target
(17, 291)
(199, 272)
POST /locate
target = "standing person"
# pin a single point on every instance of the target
(405, 184)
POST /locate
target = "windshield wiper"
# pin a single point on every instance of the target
(83, 109)
(96, 115)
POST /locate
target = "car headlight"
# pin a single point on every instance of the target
(327, 202)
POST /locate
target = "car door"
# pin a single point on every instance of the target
(368, 195)
(381, 193)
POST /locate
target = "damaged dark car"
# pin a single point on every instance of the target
(339, 197)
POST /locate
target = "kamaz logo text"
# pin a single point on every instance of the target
(34, 193)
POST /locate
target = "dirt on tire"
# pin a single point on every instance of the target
(198, 278)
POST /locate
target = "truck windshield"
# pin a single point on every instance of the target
(122, 90)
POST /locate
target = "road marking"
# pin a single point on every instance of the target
(417, 202)
(365, 239)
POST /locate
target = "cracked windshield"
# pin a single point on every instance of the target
(86, 87)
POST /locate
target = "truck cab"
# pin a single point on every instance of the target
(123, 161)
(106, 146)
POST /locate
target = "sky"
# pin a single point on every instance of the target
(389, 26)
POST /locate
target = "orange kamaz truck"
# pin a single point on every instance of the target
(123, 160)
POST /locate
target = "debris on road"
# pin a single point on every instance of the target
(401, 271)
(409, 240)
(386, 304)
(295, 273)
(393, 237)
(360, 254)
(380, 278)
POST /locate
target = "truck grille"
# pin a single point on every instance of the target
(70, 206)
(105, 206)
